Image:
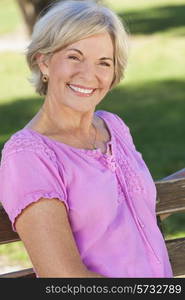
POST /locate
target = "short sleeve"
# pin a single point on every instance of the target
(25, 177)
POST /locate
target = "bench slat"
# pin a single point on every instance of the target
(170, 196)
(26, 273)
(176, 251)
(7, 235)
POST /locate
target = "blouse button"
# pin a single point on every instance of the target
(113, 167)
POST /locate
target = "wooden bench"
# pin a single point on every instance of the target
(170, 199)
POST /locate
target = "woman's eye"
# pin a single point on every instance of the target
(106, 64)
(73, 57)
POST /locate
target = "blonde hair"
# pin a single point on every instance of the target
(66, 22)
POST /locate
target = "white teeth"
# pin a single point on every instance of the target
(85, 91)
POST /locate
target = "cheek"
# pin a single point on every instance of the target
(107, 79)
(59, 71)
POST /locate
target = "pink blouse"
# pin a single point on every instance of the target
(110, 198)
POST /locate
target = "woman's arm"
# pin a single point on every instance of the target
(45, 231)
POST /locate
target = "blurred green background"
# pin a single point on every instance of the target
(151, 98)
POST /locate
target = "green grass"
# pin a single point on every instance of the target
(126, 5)
(155, 58)
(152, 17)
(13, 77)
(150, 99)
(16, 253)
(10, 16)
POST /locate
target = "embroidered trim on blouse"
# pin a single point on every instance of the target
(20, 142)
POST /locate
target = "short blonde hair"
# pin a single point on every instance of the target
(69, 21)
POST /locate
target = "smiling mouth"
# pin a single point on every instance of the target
(81, 91)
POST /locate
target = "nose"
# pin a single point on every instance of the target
(88, 73)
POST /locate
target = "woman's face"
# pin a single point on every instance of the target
(81, 74)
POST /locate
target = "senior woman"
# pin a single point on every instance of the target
(75, 188)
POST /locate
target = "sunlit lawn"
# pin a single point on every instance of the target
(10, 17)
(151, 98)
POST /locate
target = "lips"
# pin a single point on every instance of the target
(81, 86)
(84, 92)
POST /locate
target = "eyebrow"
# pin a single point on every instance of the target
(77, 50)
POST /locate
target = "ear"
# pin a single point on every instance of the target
(42, 62)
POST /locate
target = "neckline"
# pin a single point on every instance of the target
(97, 151)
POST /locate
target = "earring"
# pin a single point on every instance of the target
(45, 78)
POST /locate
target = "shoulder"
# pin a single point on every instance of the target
(24, 141)
(114, 119)
(118, 125)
